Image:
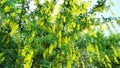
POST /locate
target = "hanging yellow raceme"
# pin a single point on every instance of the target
(19, 11)
(13, 15)
(66, 40)
(7, 9)
(51, 49)
(73, 52)
(114, 50)
(64, 19)
(90, 59)
(90, 48)
(2, 2)
(75, 11)
(69, 61)
(73, 24)
(103, 61)
(41, 23)
(109, 65)
(116, 60)
(92, 33)
(78, 27)
(59, 35)
(45, 53)
(14, 27)
(107, 58)
(32, 37)
(27, 53)
(76, 36)
(54, 27)
(68, 64)
(83, 64)
(97, 53)
(2, 58)
(69, 28)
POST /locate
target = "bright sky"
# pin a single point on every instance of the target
(116, 11)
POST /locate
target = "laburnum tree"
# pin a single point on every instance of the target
(52, 36)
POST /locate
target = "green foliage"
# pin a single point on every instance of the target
(43, 39)
(101, 51)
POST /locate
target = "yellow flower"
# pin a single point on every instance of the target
(90, 60)
(116, 60)
(75, 36)
(13, 14)
(59, 35)
(51, 49)
(97, 53)
(54, 28)
(83, 64)
(64, 19)
(115, 51)
(107, 58)
(73, 56)
(69, 64)
(110, 65)
(73, 24)
(19, 11)
(41, 23)
(90, 48)
(2, 58)
(14, 27)
(78, 27)
(45, 52)
(7, 9)
(32, 37)
(66, 40)
(2, 2)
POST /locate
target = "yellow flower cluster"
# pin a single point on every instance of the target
(90, 48)
(2, 58)
(83, 64)
(116, 60)
(90, 59)
(66, 40)
(14, 26)
(71, 26)
(28, 53)
(19, 11)
(116, 54)
(59, 35)
(7, 9)
(107, 58)
(2, 2)
(32, 37)
(76, 36)
(114, 50)
(13, 15)
(48, 51)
